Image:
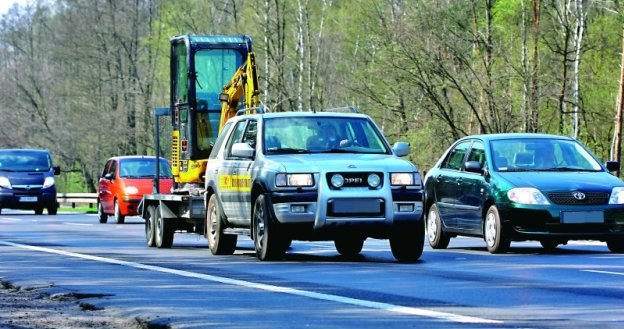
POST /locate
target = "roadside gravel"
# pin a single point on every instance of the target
(43, 308)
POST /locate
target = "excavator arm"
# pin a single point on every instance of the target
(243, 85)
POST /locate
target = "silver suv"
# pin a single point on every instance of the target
(310, 176)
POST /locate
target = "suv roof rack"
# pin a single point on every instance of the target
(250, 110)
(343, 109)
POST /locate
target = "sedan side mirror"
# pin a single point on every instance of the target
(473, 166)
(612, 166)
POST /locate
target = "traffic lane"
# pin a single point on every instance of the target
(457, 286)
(59, 229)
(197, 302)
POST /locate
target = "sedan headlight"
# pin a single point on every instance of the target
(294, 180)
(617, 196)
(4, 182)
(131, 190)
(48, 182)
(527, 195)
(404, 179)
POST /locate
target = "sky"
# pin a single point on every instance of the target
(6, 4)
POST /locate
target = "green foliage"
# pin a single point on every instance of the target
(84, 75)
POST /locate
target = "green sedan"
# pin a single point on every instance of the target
(517, 187)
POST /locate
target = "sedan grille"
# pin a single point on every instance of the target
(579, 199)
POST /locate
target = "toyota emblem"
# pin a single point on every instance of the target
(579, 195)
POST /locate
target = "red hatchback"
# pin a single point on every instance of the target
(124, 181)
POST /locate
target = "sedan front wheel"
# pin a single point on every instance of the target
(493, 232)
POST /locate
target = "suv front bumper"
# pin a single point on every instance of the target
(348, 207)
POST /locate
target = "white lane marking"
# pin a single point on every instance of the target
(78, 224)
(603, 272)
(11, 219)
(272, 288)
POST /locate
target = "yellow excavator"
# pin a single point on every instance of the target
(209, 77)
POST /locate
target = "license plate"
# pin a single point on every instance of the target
(28, 199)
(357, 206)
(582, 217)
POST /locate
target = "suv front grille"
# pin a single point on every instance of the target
(591, 198)
(355, 179)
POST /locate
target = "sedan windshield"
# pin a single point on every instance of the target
(532, 154)
(320, 134)
(143, 168)
(24, 160)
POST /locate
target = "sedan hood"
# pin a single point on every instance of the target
(340, 162)
(144, 185)
(563, 181)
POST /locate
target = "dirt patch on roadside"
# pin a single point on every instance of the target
(35, 308)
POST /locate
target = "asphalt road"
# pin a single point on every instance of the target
(579, 286)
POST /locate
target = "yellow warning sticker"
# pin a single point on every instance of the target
(241, 183)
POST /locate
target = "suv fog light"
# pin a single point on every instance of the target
(337, 180)
(297, 208)
(373, 180)
(406, 207)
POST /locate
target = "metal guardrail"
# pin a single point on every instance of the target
(77, 198)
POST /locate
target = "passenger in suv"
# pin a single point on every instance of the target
(311, 176)
(27, 180)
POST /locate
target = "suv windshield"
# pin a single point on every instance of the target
(24, 160)
(532, 154)
(143, 167)
(319, 134)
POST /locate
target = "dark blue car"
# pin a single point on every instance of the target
(27, 180)
(515, 187)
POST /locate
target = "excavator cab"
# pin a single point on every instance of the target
(200, 66)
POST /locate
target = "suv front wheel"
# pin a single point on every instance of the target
(219, 242)
(268, 240)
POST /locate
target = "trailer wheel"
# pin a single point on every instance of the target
(268, 240)
(164, 230)
(150, 230)
(219, 242)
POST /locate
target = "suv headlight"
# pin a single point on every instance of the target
(294, 180)
(4, 182)
(48, 182)
(617, 196)
(404, 179)
(527, 195)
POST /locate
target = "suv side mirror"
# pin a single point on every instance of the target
(473, 167)
(57, 170)
(401, 149)
(109, 176)
(612, 165)
(243, 150)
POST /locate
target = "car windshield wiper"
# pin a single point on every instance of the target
(516, 169)
(566, 169)
(6, 169)
(287, 150)
(335, 150)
